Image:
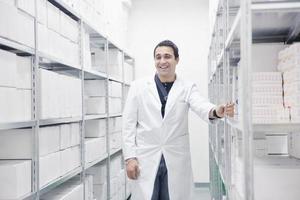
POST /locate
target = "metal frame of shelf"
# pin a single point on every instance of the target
(41, 60)
(232, 40)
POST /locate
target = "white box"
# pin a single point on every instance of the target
(8, 97)
(43, 44)
(53, 17)
(42, 11)
(69, 27)
(66, 191)
(115, 124)
(23, 71)
(95, 128)
(115, 89)
(100, 191)
(49, 168)
(8, 63)
(49, 140)
(277, 144)
(65, 136)
(277, 179)
(94, 148)
(75, 134)
(115, 105)
(25, 29)
(95, 105)
(99, 173)
(15, 178)
(94, 88)
(16, 144)
(89, 187)
(98, 57)
(8, 27)
(70, 159)
(27, 6)
(22, 108)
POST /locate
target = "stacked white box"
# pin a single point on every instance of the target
(95, 88)
(23, 72)
(95, 128)
(49, 140)
(115, 89)
(115, 105)
(27, 6)
(70, 159)
(53, 17)
(49, 168)
(8, 70)
(75, 134)
(65, 136)
(42, 12)
(98, 57)
(25, 26)
(69, 28)
(267, 98)
(87, 59)
(95, 105)
(99, 173)
(289, 63)
(276, 178)
(20, 139)
(6, 28)
(115, 124)
(15, 178)
(60, 95)
(94, 148)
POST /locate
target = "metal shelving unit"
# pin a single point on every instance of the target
(43, 61)
(239, 25)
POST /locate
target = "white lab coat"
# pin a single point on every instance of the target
(146, 135)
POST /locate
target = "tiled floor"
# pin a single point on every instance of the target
(202, 194)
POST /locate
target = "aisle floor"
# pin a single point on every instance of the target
(202, 194)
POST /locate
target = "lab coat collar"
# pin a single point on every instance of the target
(173, 94)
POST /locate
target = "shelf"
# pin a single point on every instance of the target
(90, 164)
(115, 152)
(59, 120)
(277, 128)
(14, 125)
(115, 115)
(91, 117)
(58, 65)
(275, 22)
(111, 78)
(60, 180)
(93, 74)
(66, 9)
(234, 31)
(15, 47)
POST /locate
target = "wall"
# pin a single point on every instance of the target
(186, 23)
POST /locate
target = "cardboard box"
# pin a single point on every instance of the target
(277, 178)
(99, 173)
(53, 17)
(94, 148)
(42, 11)
(75, 134)
(8, 70)
(49, 140)
(16, 144)
(95, 128)
(95, 105)
(27, 6)
(25, 29)
(67, 191)
(23, 71)
(69, 27)
(49, 168)
(8, 27)
(15, 178)
(70, 159)
(115, 89)
(8, 97)
(65, 136)
(43, 38)
(95, 88)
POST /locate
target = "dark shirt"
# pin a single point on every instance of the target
(168, 86)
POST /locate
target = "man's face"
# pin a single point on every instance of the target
(165, 61)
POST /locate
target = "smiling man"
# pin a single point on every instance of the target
(155, 129)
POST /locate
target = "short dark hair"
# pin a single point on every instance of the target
(168, 43)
